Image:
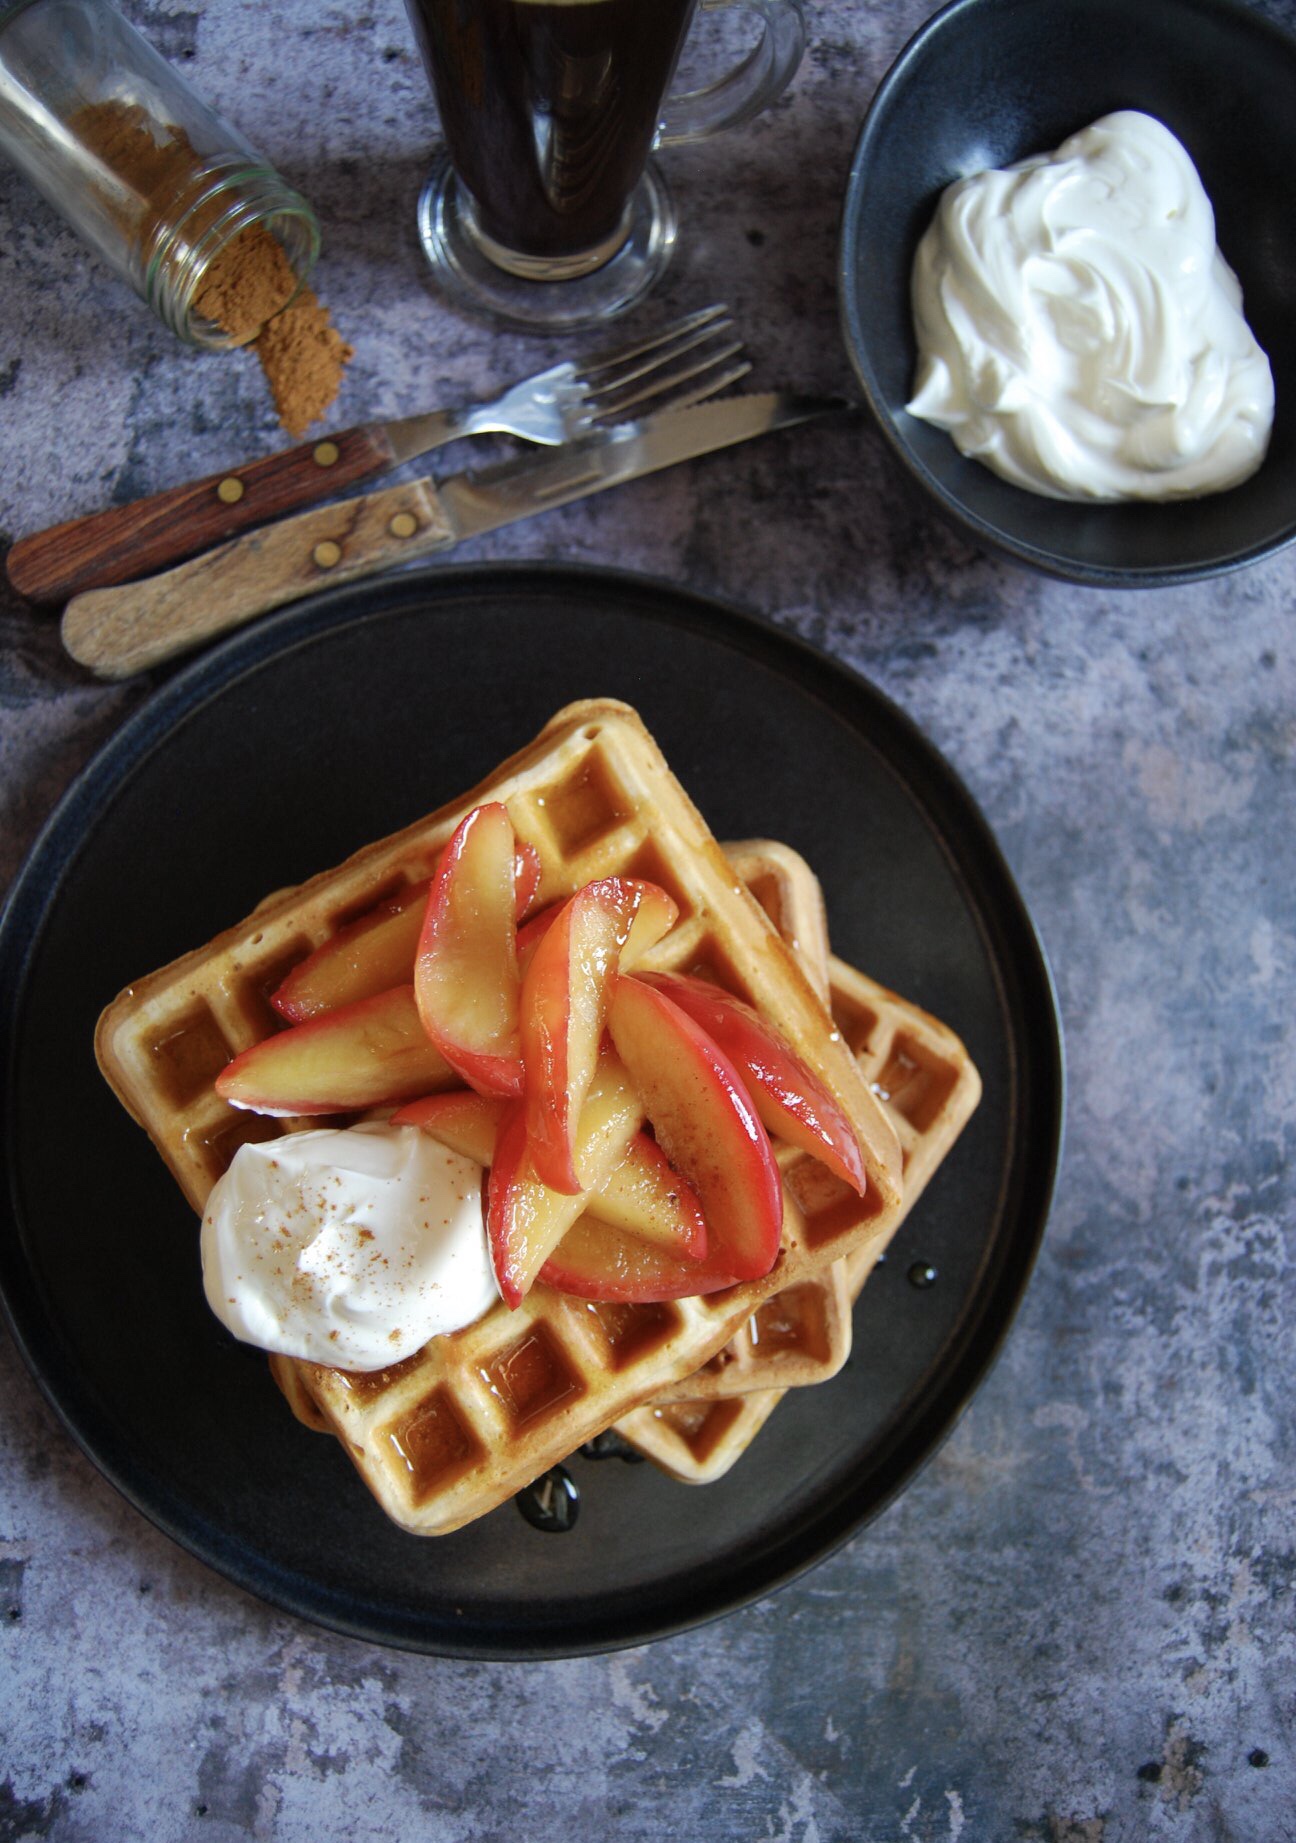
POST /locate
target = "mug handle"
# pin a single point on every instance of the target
(763, 75)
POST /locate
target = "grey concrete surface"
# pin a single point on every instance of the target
(1076, 1626)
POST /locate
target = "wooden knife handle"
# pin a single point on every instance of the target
(149, 534)
(127, 629)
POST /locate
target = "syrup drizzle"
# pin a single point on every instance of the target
(610, 1445)
(551, 1502)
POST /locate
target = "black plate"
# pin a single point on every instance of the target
(275, 756)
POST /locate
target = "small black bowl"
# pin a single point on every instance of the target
(988, 82)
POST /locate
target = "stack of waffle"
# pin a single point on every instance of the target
(467, 1422)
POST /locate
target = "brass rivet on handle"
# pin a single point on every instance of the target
(230, 491)
(325, 453)
(327, 554)
(403, 525)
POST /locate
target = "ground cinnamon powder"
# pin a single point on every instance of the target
(248, 288)
(250, 281)
(303, 356)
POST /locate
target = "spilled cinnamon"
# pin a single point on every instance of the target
(303, 356)
(302, 353)
(248, 289)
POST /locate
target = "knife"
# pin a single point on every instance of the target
(698, 355)
(127, 629)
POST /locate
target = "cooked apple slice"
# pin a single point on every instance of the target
(466, 971)
(655, 916)
(526, 878)
(793, 1102)
(596, 1260)
(642, 1195)
(377, 951)
(527, 1218)
(532, 932)
(646, 1197)
(464, 1120)
(367, 1054)
(705, 1123)
(562, 1013)
(372, 955)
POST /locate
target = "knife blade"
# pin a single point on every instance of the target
(119, 631)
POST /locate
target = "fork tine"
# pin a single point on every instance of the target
(710, 387)
(610, 359)
(704, 373)
(666, 358)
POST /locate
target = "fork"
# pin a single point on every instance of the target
(680, 364)
(683, 363)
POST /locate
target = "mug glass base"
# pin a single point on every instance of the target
(466, 274)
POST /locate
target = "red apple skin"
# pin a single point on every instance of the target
(466, 975)
(562, 1013)
(596, 1261)
(366, 1054)
(705, 1123)
(793, 1102)
(507, 1215)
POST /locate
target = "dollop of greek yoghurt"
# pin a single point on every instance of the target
(1078, 329)
(348, 1246)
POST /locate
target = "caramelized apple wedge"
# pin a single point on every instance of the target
(377, 951)
(642, 1195)
(705, 1123)
(366, 1054)
(597, 1260)
(466, 976)
(532, 932)
(562, 1012)
(646, 1197)
(654, 918)
(789, 1097)
(372, 955)
(467, 1122)
(527, 872)
(527, 1218)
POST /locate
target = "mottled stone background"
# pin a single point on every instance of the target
(1076, 1626)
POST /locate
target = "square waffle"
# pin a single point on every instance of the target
(476, 1415)
(930, 1087)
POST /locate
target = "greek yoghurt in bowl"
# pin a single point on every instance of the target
(1079, 331)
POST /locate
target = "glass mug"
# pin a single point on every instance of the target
(542, 210)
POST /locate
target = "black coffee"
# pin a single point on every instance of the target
(549, 108)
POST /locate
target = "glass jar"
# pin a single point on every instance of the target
(172, 197)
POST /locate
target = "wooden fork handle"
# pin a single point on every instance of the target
(150, 534)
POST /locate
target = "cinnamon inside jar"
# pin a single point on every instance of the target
(249, 289)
